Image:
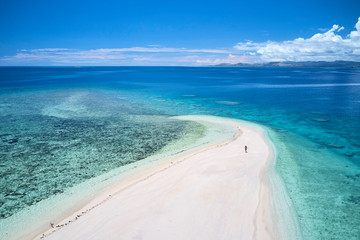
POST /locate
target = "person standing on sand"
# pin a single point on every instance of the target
(245, 148)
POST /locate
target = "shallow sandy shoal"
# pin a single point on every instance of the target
(216, 192)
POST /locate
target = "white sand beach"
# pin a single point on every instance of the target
(215, 192)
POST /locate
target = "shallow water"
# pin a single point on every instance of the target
(46, 151)
(63, 126)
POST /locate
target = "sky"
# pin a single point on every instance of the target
(176, 33)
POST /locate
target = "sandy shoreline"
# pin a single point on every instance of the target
(216, 192)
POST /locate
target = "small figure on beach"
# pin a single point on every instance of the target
(245, 148)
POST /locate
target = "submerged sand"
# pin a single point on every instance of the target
(215, 192)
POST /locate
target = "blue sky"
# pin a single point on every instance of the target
(189, 33)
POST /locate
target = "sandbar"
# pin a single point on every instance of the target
(216, 192)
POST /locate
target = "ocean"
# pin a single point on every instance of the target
(61, 127)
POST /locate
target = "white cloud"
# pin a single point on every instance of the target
(48, 50)
(113, 56)
(158, 50)
(231, 58)
(328, 46)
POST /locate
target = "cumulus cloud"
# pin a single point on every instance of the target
(327, 46)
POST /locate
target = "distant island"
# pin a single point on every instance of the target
(294, 64)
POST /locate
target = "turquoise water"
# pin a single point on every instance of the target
(62, 126)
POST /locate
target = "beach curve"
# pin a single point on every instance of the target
(215, 192)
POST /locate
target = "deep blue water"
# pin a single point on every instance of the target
(313, 113)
